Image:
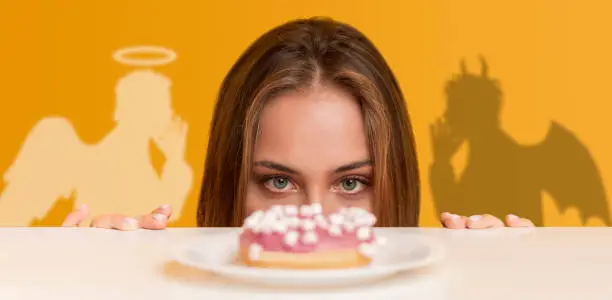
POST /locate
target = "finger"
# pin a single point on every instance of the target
(157, 219)
(119, 222)
(185, 127)
(165, 210)
(484, 221)
(446, 128)
(453, 221)
(154, 221)
(76, 217)
(176, 122)
(437, 128)
(515, 221)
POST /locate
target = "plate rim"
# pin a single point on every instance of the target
(436, 253)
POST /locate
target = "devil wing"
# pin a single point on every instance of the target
(568, 172)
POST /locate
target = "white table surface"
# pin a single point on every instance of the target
(85, 263)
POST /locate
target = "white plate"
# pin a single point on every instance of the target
(216, 253)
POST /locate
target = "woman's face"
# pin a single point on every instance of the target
(311, 148)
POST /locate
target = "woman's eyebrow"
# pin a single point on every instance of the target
(275, 166)
(353, 165)
(280, 167)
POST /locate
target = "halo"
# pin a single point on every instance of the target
(121, 56)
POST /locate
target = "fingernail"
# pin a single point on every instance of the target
(475, 218)
(82, 207)
(130, 224)
(512, 217)
(447, 214)
(165, 206)
(455, 217)
(159, 218)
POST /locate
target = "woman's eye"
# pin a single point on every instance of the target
(279, 184)
(352, 185)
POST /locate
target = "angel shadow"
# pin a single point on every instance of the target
(141, 157)
(502, 176)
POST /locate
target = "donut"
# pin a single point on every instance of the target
(302, 237)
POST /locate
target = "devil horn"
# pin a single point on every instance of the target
(484, 67)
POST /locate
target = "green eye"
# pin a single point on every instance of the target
(280, 183)
(350, 184)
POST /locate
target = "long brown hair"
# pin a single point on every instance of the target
(295, 56)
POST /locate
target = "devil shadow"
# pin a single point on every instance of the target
(502, 176)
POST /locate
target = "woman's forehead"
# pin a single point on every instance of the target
(320, 128)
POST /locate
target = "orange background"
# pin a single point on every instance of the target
(552, 57)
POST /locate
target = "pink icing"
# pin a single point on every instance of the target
(275, 241)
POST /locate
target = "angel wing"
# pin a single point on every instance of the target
(46, 168)
(569, 174)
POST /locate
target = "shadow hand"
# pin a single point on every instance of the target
(453, 221)
(444, 144)
(172, 142)
(155, 220)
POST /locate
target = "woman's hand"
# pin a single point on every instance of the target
(453, 221)
(157, 219)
